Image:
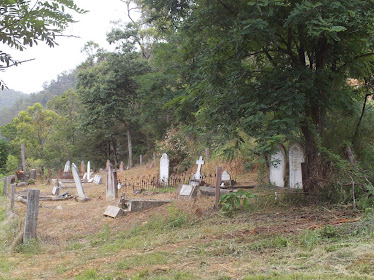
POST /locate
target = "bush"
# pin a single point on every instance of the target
(11, 164)
(178, 148)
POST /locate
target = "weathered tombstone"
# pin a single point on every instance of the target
(296, 157)
(84, 177)
(13, 191)
(278, 167)
(98, 180)
(83, 168)
(225, 179)
(207, 154)
(218, 185)
(188, 191)
(141, 160)
(164, 169)
(67, 167)
(113, 211)
(88, 170)
(78, 183)
(121, 166)
(56, 187)
(33, 174)
(32, 212)
(23, 157)
(111, 183)
(197, 175)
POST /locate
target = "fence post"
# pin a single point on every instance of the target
(218, 185)
(6, 186)
(31, 215)
(12, 197)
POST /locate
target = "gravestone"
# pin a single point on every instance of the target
(277, 167)
(88, 170)
(225, 179)
(84, 177)
(56, 187)
(197, 175)
(83, 168)
(296, 158)
(111, 183)
(78, 184)
(188, 191)
(164, 169)
(121, 166)
(32, 212)
(98, 180)
(113, 211)
(33, 174)
(67, 167)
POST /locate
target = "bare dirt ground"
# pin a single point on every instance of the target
(78, 242)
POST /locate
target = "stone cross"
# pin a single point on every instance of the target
(277, 167)
(199, 163)
(296, 157)
(78, 183)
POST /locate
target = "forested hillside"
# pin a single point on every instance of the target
(15, 102)
(240, 77)
(8, 97)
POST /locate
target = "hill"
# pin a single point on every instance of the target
(12, 107)
(9, 96)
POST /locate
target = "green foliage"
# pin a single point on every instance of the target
(12, 164)
(32, 247)
(178, 148)
(23, 25)
(88, 274)
(4, 152)
(235, 200)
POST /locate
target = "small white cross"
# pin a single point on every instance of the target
(199, 163)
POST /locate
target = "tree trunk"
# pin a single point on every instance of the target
(129, 142)
(114, 145)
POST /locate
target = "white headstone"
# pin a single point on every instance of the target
(197, 175)
(225, 176)
(88, 170)
(84, 177)
(187, 191)
(278, 167)
(296, 157)
(97, 179)
(164, 169)
(113, 211)
(67, 167)
(81, 195)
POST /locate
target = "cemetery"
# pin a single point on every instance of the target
(70, 219)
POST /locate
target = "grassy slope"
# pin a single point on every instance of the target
(189, 240)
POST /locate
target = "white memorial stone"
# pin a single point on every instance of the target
(296, 157)
(164, 169)
(278, 167)
(67, 167)
(187, 191)
(97, 180)
(85, 177)
(81, 195)
(88, 170)
(197, 175)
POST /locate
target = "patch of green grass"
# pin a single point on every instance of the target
(275, 242)
(144, 260)
(75, 246)
(88, 274)
(32, 247)
(167, 190)
(5, 265)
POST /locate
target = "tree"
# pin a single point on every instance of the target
(25, 23)
(109, 94)
(273, 67)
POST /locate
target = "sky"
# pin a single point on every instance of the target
(29, 77)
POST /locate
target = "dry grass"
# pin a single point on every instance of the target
(188, 240)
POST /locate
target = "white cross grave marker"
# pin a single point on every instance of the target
(199, 163)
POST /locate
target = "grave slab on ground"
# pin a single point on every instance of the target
(188, 192)
(113, 212)
(135, 205)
